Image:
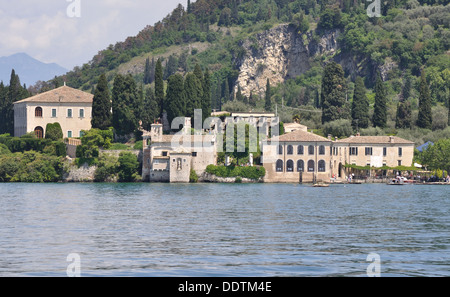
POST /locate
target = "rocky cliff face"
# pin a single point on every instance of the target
(278, 54)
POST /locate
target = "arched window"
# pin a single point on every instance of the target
(322, 150)
(300, 150)
(310, 166)
(321, 166)
(311, 149)
(280, 149)
(290, 166)
(280, 166)
(300, 166)
(39, 131)
(38, 112)
(290, 150)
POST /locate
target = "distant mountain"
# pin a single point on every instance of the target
(29, 69)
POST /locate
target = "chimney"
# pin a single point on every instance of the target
(329, 136)
(391, 139)
(358, 134)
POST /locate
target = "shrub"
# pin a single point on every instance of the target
(108, 166)
(128, 167)
(338, 128)
(54, 132)
(193, 177)
(253, 173)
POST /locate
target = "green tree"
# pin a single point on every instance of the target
(268, 102)
(403, 117)
(424, 119)
(194, 92)
(206, 99)
(54, 132)
(159, 86)
(333, 97)
(128, 167)
(437, 156)
(101, 105)
(151, 109)
(176, 98)
(360, 106)
(147, 72)
(10, 95)
(380, 108)
(125, 104)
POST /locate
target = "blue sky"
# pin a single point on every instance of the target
(45, 30)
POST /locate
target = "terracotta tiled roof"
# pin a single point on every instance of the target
(375, 140)
(61, 95)
(300, 135)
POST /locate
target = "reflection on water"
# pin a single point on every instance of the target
(223, 229)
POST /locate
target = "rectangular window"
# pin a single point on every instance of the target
(368, 151)
(53, 112)
(69, 134)
(164, 154)
(399, 162)
(81, 134)
(385, 151)
(81, 113)
(400, 151)
(69, 113)
(353, 151)
(194, 154)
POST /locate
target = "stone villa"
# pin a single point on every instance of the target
(71, 108)
(170, 158)
(306, 157)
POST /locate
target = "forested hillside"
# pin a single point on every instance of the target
(393, 71)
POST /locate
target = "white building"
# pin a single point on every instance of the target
(69, 107)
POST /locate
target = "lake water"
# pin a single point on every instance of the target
(226, 230)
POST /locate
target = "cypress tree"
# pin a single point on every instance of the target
(3, 94)
(360, 106)
(159, 86)
(151, 109)
(147, 72)
(125, 101)
(206, 102)
(268, 103)
(380, 108)
(175, 99)
(101, 105)
(333, 99)
(12, 94)
(194, 93)
(403, 117)
(424, 119)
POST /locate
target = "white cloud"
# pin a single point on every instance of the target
(45, 31)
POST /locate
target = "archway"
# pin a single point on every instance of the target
(39, 132)
(340, 170)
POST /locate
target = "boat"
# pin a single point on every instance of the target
(321, 185)
(399, 181)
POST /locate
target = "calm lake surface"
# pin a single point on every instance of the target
(230, 230)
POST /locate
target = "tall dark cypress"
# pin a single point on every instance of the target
(424, 119)
(14, 93)
(333, 98)
(380, 109)
(175, 99)
(125, 102)
(147, 72)
(3, 94)
(159, 86)
(403, 117)
(268, 103)
(360, 106)
(101, 105)
(194, 92)
(206, 101)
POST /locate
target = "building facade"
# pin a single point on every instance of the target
(302, 156)
(299, 156)
(69, 107)
(170, 158)
(373, 151)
